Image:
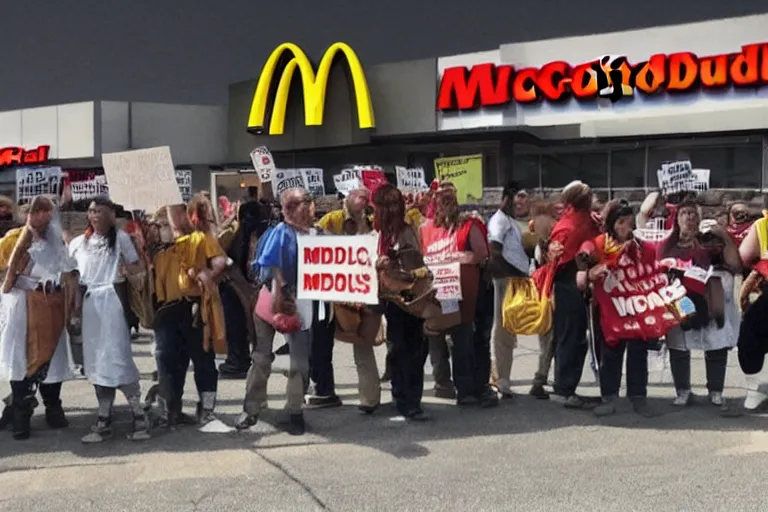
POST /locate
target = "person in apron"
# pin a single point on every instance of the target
(34, 345)
(108, 361)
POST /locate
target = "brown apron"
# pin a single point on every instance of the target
(45, 322)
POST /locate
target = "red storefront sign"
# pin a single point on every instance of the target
(20, 156)
(487, 85)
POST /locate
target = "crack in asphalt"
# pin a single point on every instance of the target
(19, 469)
(320, 503)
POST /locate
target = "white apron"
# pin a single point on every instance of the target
(107, 353)
(13, 322)
(712, 338)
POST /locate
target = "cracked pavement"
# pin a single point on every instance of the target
(525, 455)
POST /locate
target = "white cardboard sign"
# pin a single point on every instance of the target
(410, 181)
(143, 179)
(263, 163)
(338, 268)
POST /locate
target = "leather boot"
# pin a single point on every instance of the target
(54, 412)
(22, 414)
(6, 419)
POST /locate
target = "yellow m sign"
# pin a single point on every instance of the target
(314, 86)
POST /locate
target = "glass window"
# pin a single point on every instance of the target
(525, 170)
(560, 169)
(735, 166)
(628, 168)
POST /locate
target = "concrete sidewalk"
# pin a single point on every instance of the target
(525, 455)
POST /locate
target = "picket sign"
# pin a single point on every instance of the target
(682, 177)
(35, 181)
(286, 179)
(348, 180)
(411, 181)
(263, 163)
(313, 178)
(338, 269)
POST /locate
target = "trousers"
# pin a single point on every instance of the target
(570, 337)
(715, 363)
(177, 341)
(503, 342)
(299, 345)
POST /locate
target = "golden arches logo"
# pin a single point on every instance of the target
(314, 87)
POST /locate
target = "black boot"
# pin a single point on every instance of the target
(6, 419)
(54, 412)
(296, 425)
(22, 414)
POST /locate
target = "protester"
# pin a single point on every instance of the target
(508, 259)
(403, 277)
(753, 334)
(454, 237)
(8, 219)
(576, 226)
(603, 255)
(39, 288)
(107, 355)
(185, 326)
(279, 255)
(543, 218)
(705, 331)
(415, 213)
(351, 219)
(739, 222)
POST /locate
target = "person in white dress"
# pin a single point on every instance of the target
(36, 262)
(101, 254)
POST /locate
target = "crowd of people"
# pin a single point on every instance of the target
(206, 285)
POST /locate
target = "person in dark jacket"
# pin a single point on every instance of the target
(255, 215)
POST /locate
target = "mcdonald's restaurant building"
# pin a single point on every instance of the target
(606, 108)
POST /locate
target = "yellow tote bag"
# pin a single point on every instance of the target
(526, 309)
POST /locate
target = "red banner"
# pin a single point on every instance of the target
(373, 179)
(636, 301)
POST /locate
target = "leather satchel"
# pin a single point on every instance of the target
(359, 325)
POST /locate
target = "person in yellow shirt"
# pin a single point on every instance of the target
(185, 328)
(351, 219)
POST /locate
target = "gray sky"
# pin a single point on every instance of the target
(59, 51)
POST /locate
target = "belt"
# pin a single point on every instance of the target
(177, 302)
(30, 284)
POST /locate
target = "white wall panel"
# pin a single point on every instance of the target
(115, 126)
(10, 129)
(76, 131)
(39, 128)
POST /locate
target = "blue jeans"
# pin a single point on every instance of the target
(177, 341)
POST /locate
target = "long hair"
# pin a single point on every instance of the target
(200, 212)
(674, 237)
(446, 206)
(578, 195)
(111, 235)
(389, 213)
(613, 211)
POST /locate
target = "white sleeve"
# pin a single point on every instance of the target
(126, 247)
(497, 228)
(75, 244)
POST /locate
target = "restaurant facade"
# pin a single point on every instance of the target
(606, 108)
